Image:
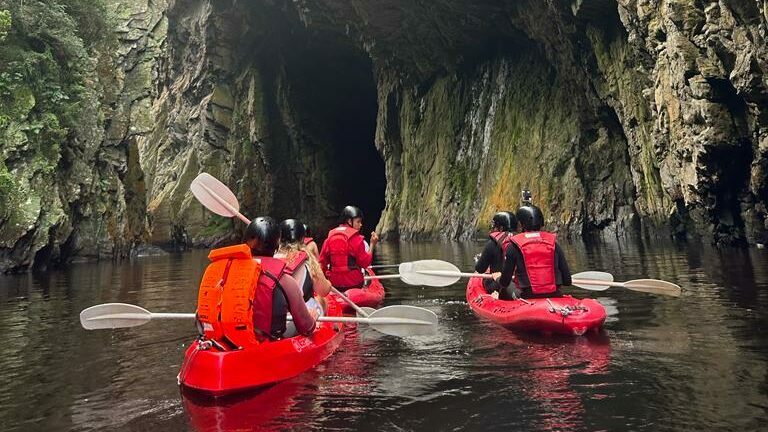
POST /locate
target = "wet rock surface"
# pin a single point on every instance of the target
(621, 116)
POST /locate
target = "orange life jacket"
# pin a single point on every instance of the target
(225, 298)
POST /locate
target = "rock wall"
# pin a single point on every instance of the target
(620, 115)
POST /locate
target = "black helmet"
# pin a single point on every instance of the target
(291, 231)
(504, 221)
(351, 212)
(307, 231)
(530, 217)
(266, 233)
(513, 220)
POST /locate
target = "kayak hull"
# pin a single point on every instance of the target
(368, 296)
(561, 315)
(218, 373)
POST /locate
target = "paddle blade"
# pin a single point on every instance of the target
(403, 320)
(214, 195)
(594, 275)
(409, 273)
(113, 315)
(654, 286)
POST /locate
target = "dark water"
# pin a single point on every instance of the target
(699, 362)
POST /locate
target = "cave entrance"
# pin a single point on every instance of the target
(334, 82)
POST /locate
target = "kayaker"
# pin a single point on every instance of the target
(503, 225)
(310, 244)
(301, 264)
(534, 259)
(277, 292)
(345, 252)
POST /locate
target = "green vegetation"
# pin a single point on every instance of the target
(5, 23)
(48, 55)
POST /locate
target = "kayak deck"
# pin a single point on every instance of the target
(561, 315)
(208, 370)
(368, 296)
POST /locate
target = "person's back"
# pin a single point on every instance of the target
(534, 259)
(277, 293)
(344, 253)
(302, 265)
(500, 237)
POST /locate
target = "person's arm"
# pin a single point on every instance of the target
(303, 321)
(362, 257)
(562, 265)
(508, 269)
(312, 250)
(486, 257)
(320, 283)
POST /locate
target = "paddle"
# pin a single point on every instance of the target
(397, 320)
(441, 273)
(379, 266)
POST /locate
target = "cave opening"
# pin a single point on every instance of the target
(334, 88)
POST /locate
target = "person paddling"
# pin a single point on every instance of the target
(277, 292)
(310, 244)
(503, 226)
(345, 253)
(302, 265)
(534, 259)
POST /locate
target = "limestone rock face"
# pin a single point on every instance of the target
(620, 115)
(612, 112)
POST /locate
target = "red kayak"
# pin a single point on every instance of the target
(209, 370)
(562, 315)
(368, 296)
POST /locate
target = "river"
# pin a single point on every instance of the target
(698, 362)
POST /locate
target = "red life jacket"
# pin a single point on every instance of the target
(226, 294)
(298, 260)
(308, 240)
(538, 249)
(344, 272)
(272, 269)
(503, 239)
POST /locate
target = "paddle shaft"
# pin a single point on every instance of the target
(454, 274)
(169, 315)
(598, 282)
(394, 276)
(357, 308)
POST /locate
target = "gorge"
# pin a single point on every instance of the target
(622, 116)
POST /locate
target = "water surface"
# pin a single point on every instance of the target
(699, 362)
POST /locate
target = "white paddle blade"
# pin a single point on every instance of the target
(654, 286)
(215, 195)
(594, 275)
(409, 273)
(367, 310)
(113, 315)
(404, 321)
